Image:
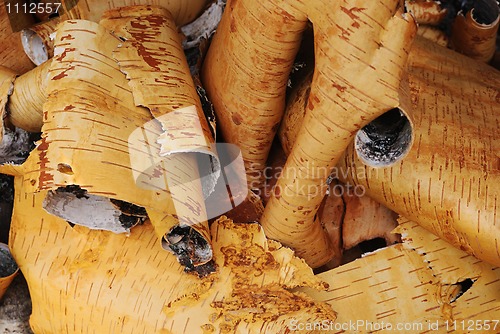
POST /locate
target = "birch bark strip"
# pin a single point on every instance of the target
(447, 182)
(39, 46)
(330, 123)
(153, 59)
(86, 87)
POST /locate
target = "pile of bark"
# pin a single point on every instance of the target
(250, 166)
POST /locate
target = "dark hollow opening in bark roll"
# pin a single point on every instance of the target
(485, 11)
(192, 250)
(385, 140)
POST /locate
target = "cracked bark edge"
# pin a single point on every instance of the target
(413, 282)
(38, 43)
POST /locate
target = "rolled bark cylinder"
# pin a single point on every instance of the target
(28, 96)
(447, 182)
(249, 114)
(87, 87)
(37, 42)
(330, 122)
(173, 101)
(245, 74)
(12, 52)
(474, 34)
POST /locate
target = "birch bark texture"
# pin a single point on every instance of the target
(39, 46)
(361, 50)
(127, 284)
(418, 283)
(12, 52)
(448, 181)
(118, 137)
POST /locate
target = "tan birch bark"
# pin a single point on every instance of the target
(247, 85)
(331, 123)
(295, 113)
(475, 32)
(37, 42)
(152, 58)
(426, 11)
(106, 282)
(417, 282)
(365, 219)
(25, 104)
(11, 51)
(39, 46)
(114, 156)
(434, 34)
(448, 181)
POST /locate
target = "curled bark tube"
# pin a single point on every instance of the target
(28, 96)
(86, 87)
(382, 142)
(39, 47)
(11, 52)
(426, 11)
(330, 123)
(161, 82)
(447, 181)
(474, 34)
(247, 88)
(37, 43)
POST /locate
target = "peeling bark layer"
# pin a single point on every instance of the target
(127, 284)
(39, 46)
